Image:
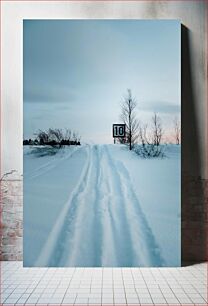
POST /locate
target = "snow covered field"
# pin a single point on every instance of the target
(101, 205)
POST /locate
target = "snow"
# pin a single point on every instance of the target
(157, 184)
(101, 205)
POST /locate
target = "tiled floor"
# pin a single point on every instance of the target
(103, 286)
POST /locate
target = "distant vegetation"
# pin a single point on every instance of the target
(145, 139)
(55, 138)
(150, 140)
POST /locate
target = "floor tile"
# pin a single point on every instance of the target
(112, 286)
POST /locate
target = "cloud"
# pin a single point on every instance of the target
(49, 94)
(159, 107)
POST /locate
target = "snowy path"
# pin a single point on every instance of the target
(102, 223)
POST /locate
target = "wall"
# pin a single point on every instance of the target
(194, 109)
(11, 220)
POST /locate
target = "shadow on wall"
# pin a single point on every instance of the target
(194, 188)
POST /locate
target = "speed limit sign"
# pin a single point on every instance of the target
(119, 130)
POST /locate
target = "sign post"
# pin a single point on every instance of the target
(119, 131)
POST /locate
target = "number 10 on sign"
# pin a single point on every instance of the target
(119, 130)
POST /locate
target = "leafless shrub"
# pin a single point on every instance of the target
(150, 140)
(56, 137)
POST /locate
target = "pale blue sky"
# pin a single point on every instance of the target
(77, 71)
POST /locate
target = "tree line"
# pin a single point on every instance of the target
(148, 136)
(55, 138)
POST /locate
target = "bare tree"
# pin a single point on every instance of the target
(157, 131)
(143, 134)
(128, 116)
(177, 130)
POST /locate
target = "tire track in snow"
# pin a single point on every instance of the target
(51, 252)
(80, 237)
(85, 241)
(102, 223)
(122, 245)
(97, 238)
(146, 251)
(109, 255)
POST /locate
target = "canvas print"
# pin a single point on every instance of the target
(102, 143)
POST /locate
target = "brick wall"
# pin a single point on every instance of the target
(11, 221)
